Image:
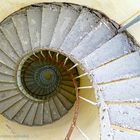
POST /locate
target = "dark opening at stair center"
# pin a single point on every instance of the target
(42, 75)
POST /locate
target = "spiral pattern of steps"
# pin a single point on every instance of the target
(47, 86)
(41, 47)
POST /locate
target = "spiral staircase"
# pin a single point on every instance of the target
(44, 47)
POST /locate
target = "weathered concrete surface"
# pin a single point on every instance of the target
(11, 6)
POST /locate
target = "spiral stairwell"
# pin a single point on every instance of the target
(44, 47)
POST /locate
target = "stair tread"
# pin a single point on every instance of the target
(47, 113)
(21, 25)
(83, 25)
(68, 83)
(10, 33)
(127, 116)
(5, 104)
(34, 15)
(6, 70)
(7, 48)
(96, 38)
(54, 112)
(7, 78)
(61, 109)
(68, 95)
(68, 88)
(126, 90)
(13, 110)
(65, 101)
(7, 61)
(6, 86)
(65, 22)
(39, 115)
(50, 15)
(119, 135)
(113, 49)
(7, 94)
(125, 67)
(20, 116)
(31, 114)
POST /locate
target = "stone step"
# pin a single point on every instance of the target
(8, 94)
(96, 38)
(10, 33)
(7, 48)
(125, 67)
(7, 86)
(127, 116)
(83, 25)
(122, 91)
(66, 20)
(50, 14)
(47, 113)
(113, 49)
(21, 25)
(13, 110)
(67, 83)
(6, 104)
(61, 108)
(67, 95)
(29, 119)
(6, 78)
(21, 115)
(7, 61)
(39, 115)
(6, 70)
(34, 17)
(69, 89)
(64, 101)
(122, 135)
(54, 111)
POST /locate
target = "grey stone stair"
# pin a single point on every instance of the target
(113, 49)
(7, 103)
(90, 38)
(96, 38)
(125, 67)
(83, 25)
(38, 120)
(122, 135)
(34, 16)
(10, 33)
(29, 119)
(7, 48)
(123, 91)
(54, 111)
(64, 101)
(13, 110)
(7, 61)
(127, 116)
(61, 108)
(69, 89)
(68, 83)
(7, 86)
(47, 113)
(6, 70)
(66, 20)
(50, 14)
(67, 95)
(21, 25)
(6, 78)
(8, 94)
(21, 115)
